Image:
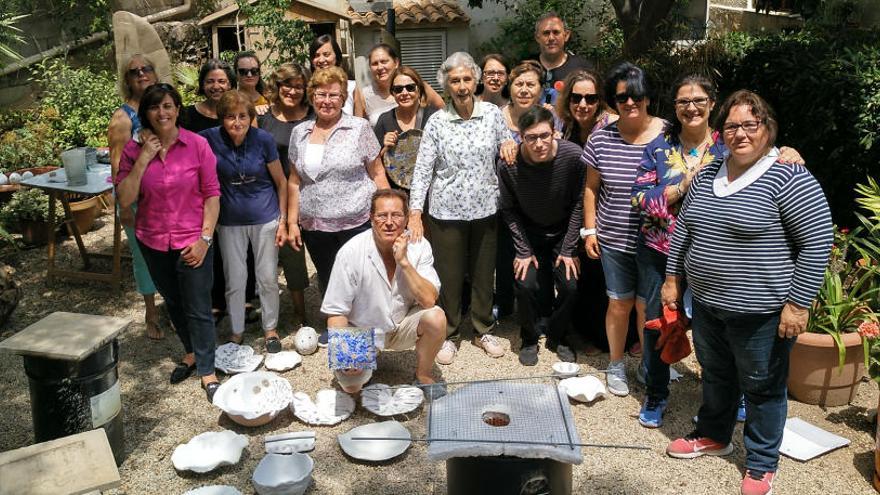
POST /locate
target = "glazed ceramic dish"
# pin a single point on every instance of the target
(383, 400)
(253, 399)
(280, 474)
(561, 368)
(375, 450)
(207, 451)
(330, 407)
(232, 358)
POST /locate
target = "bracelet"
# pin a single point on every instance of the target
(678, 189)
(587, 232)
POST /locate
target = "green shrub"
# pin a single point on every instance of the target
(28, 204)
(30, 146)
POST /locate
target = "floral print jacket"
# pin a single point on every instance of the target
(663, 164)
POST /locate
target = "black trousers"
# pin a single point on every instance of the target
(323, 247)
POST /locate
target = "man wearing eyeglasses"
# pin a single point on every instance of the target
(552, 35)
(382, 280)
(542, 204)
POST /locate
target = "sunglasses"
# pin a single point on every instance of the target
(621, 98)
(147, 69)
(410, 88)
(248, 72)
(577, 98)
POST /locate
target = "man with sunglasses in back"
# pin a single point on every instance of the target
(551, 34)
(382, 280)
(542, 205)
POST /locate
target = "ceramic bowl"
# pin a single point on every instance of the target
(214, 490)
(279, 474)
(375, 450)
(329, 407)
(283, 361)
(582, 388)
(253, 399)
(207, 451)
(232, 358)
(561, 368)
(383, 400)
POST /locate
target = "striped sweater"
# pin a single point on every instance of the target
(751, 249)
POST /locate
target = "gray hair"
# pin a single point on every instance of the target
(455, 61)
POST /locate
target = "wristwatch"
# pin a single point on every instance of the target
(208, 240)
(587, 232)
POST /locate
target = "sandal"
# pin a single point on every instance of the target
(181, 372)
(273, 345)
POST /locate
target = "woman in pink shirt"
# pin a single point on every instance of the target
(172, 174)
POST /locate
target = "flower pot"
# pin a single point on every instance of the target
(34, 233)
(814, 376)
(84, 213)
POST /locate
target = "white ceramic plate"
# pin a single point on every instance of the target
(283, 361)
(232, 358)
(254, 399)
(383, 400)
(288, 443)
(329, 407)
(375, 450)
(207, 451)
(214, 490)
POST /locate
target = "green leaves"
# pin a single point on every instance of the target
(284, 39)
(10, 35)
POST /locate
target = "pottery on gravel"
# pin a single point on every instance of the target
(283, 361)
(289, 443)
(329, 408)
(582, 388)
(214, 490)
(280, 474)
(232, 358)
(253, 399)
(383, 400)
(306, 340)
(375, 450)
(563, 369)
(207, 451)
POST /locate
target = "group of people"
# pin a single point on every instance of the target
(523, 176)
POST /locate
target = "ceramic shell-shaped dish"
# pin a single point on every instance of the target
(283, 361)
(561, 368)
(383, 400)
(582, 388)
(253, 399)
(207, 451)
(329, 408)
(280, 474)
(288, 443)
(214, 490)
(375, 450)
(306, 340)
(232, 358)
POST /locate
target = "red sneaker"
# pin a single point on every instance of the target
(755, 483)
(691, 446)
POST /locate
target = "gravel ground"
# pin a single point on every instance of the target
(159, 416)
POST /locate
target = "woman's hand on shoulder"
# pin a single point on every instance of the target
(150, 146)
(790, 156)
(509, 151)
(262, 109)
(416, 229)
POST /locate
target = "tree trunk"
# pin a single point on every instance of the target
(10, 293)
(639, 20)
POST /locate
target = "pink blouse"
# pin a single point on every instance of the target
(171, 202)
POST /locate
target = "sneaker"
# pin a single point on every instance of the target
(651, 415)
(565, 354)
(490, 344)
(446, 353)
(528, 355)
(693, 446)
(323, 338)
(757, 483)
(741, 411)
(615, 378)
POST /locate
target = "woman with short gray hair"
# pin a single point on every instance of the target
(456, 163)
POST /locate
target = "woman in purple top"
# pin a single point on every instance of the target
(612, 156)
(172, 174)
(253, 210)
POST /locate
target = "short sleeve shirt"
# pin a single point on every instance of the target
(388, 122)
(281, 132)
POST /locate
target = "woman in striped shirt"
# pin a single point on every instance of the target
(612, 157)
(753, 239)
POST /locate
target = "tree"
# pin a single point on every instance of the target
(285, 40)
(640, 20)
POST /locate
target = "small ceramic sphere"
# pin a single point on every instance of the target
(306, 340)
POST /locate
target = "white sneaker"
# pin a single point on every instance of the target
(446, 353)
(615, 378)
(490, 344)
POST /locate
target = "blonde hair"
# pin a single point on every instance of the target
(124, 87)
(324, 77)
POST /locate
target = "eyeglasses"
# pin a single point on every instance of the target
(700, 103)
(393, 216)
(494, 74)
(237, 118)
(327, 96)
(291, 87)
(577, 98)
(622, 98)
(248, 72)
(147, 69)
(410, 88)
(534, 138)
(749, 126)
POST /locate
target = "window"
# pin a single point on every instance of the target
(226, 39)
(423, 50)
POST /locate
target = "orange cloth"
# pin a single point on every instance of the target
(673, 335)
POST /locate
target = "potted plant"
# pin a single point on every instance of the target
(27, 212)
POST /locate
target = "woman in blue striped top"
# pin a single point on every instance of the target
(753, 240)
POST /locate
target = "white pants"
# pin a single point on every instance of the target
(234, 242)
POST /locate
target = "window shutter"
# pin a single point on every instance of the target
(423, 50)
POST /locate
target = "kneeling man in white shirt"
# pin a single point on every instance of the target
(382, 280)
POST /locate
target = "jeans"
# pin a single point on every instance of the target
(538, 285)
(323, 247)
(742, 353)
(621, 273)
(187, 294)
(652, 273)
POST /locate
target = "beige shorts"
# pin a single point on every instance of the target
(406, 334)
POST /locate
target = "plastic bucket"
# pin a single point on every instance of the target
(75, 166)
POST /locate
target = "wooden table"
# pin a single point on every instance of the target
(58, 189)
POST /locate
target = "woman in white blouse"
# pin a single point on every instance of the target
(456, 162)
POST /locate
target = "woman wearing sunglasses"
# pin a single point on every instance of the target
(612, 156)
(137, 76)
(247, 67)
(581, 107)
(378, 99)
(408, 89)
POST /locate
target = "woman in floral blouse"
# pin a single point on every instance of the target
(456, 162)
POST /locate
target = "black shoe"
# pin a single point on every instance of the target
(323, 337)
(251, 314)
(181, 372)
(273, 345)
(528, 355)
(565, 354)
(211, 389)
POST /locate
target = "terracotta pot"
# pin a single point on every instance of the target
(814, 376)
(34, 233)
(84, 213)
